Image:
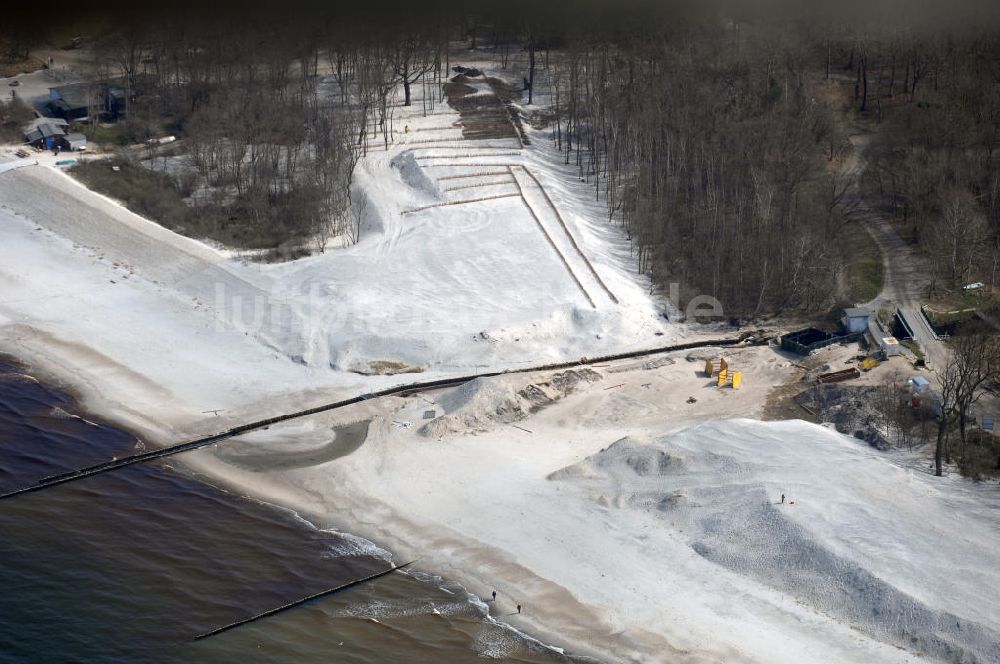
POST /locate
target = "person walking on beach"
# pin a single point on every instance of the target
(518, 608)
(782, 499)
(494, 595)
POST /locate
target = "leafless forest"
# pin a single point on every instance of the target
(718, 140)
(721, 148)
(273, 152)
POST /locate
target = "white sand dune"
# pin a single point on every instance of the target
(159, 328)
(860, 540)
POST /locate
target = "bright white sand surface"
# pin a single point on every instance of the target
(620, 536)
(158, 328)
(629, 536)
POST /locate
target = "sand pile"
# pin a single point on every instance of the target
(719, 487)
(481, 404)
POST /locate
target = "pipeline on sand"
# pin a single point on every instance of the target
(399, 390)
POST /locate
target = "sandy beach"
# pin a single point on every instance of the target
(600, 514)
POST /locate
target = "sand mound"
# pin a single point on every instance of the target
(838, 545)
(482, 403)
(741, 530)
(624, 459)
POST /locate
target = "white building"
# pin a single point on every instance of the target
(890, 346)
(855, 319)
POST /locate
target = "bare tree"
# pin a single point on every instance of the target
(976, 364)
(978, 359)
(959, 237)
(412, 57)
(358, 212)
(125, 49)
(950, 382)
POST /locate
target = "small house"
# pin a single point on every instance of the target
(46, 133)
(919, 384)
(856, 319)
(77, 101)
(73, 102)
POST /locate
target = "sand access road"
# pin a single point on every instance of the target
(906, 274)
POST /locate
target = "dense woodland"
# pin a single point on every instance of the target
(718, 140)
(934, 104)
(707, 147)
(722, 149)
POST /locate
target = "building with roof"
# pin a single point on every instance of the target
(77, 101)
(52, 133)
(73, 102)
(45, 132)
(74, 142)
(890, 346)
(856, 319)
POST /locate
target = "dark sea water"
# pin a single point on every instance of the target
(130, 565)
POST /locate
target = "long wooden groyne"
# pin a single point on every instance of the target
(300, 602)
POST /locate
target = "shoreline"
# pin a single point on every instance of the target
(390, 552)
(147, 341)
(401, 536)
(212, 474)
(314, 509)
(399, 550)
(523, 506)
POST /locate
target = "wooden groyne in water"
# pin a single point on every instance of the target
(300, 602)
(399, 390)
